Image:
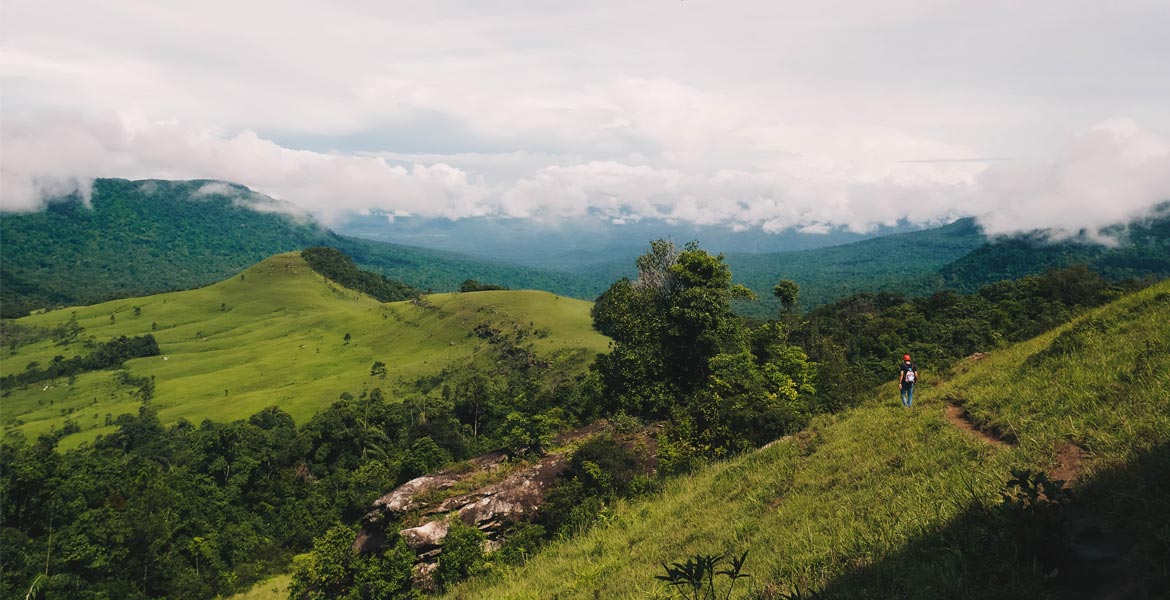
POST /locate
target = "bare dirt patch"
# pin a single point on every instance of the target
(959, 417)
(1068, 463)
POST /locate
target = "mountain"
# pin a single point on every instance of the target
(904, 262)
(277, 333)
(945, 500)
(956, 256)
(143, 237)
(581, 243)
(1142, 250)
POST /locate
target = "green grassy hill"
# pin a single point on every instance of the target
(146, 237)
(275, 335)
(885, 502)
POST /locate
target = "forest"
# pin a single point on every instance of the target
(197, 510)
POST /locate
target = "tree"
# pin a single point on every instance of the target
(335, 570)
(787, 291)
(378, 369)
(347, 337)
(665, 327)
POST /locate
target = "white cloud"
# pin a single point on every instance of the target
(1109, 174)
(762, 114)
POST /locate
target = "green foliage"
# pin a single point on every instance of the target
(695, 578)
(531, 433)
(880, 502)
(956, 256)
(335, 265)
(861, 337)
(787, 291)
(425, 457)
(106, 355)
(334, 570)
(462, 554)
(905, 263)
(680, 353)
(521, 541)
(1143, 252)
(472, 285)
(282, 340)
(601, 471)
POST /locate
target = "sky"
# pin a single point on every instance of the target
(770, 114)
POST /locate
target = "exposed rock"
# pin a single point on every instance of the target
(403, 499)
(422, 577)
(425, 536)
(492, 508)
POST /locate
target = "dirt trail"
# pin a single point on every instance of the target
(1098, 561)
(959, 417)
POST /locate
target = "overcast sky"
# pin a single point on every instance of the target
(768, 114)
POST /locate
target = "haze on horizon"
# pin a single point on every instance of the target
(774, 115)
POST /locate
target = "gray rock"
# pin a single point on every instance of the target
(425, 536)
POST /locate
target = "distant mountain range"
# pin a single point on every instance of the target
(143, 237)
(584, 244)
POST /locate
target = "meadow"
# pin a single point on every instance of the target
(278, 334)
(885, 502)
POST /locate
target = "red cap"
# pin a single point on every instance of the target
(905, 357)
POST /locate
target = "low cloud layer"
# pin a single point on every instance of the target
(764, 114)
(1112, 173)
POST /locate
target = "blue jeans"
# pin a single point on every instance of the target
(907, 394)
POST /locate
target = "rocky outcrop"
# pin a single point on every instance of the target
(491, 508)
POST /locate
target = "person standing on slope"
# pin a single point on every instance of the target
(907, 376)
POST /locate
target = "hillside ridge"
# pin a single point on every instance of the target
(277, 333)
(886, 502)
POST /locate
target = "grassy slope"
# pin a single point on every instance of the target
(274, 588)
(853, 504)
(278, 340)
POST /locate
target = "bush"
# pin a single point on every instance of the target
(462, 554)
(600, 471)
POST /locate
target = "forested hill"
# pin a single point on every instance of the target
(143, 237)
(1144, 251)
(956, 256)
(904, 262)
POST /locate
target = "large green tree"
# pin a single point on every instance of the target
(679, 353)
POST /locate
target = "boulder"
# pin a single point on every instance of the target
(426, 536)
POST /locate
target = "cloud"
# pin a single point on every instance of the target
(770, 115)
(1112, 173)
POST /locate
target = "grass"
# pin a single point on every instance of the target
(878, 502)
(274, 335)
(274, 588)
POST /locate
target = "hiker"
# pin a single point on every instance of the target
(907, 376)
